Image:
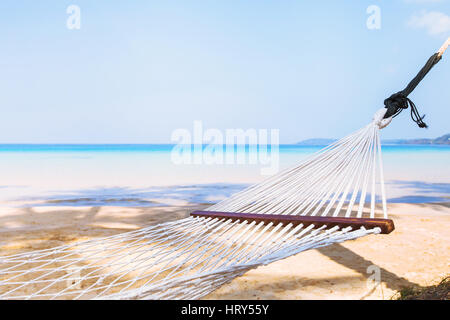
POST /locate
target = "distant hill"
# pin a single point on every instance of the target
(443, 140)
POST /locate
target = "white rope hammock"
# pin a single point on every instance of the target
(191, 257)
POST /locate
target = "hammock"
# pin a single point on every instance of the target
(328, 198)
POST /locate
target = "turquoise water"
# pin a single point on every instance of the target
(134, 175)
(287, 148)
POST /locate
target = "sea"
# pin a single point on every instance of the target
(154, 174)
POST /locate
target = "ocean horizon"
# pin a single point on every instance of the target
(140, 174)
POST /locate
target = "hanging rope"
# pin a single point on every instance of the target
(399, 101)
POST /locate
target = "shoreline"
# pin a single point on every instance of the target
(399, 191)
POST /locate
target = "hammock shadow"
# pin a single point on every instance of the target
(283, 288)
(265, 286)
(346, 257)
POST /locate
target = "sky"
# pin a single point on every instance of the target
(136, 71)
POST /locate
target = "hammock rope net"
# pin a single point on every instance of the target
(191, 257)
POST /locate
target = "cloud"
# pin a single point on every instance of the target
(434, 22)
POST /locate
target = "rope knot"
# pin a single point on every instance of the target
(399, 101)
(380, 120)
(396, 101)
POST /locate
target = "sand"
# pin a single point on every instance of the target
(417, 253)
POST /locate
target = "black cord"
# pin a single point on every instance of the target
(399, 101)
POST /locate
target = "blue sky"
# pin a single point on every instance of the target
(137, 70)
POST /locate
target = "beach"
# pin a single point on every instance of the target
(52, 196)
(417, 253)
(224, 150)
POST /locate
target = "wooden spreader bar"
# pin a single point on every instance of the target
(386, 225)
